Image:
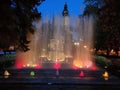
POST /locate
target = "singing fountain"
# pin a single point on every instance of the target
(60, 57)
(62, 40)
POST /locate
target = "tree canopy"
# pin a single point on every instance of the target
(16, 20)
(108, 23)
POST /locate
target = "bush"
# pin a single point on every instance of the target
(101, 61)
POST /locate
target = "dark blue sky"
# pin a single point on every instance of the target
(50, 7)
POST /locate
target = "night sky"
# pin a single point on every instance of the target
(50, 7)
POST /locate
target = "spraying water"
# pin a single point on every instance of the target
(58, 40)
(84, 42)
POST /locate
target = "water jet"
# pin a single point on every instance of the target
(62, 39)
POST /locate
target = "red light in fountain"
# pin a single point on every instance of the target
(81, 74)
(75, 67)
(57, 65)
(18, 64)
(38, 67)
(94, 68)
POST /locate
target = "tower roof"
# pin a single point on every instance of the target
(65, 10)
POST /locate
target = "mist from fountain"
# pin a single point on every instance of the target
(84, 42)
(59, 41)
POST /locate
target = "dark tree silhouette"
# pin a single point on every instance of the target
(16, 18)
(108, 23)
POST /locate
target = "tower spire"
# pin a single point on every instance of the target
(65, 10)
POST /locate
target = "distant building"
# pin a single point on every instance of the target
(57, 38)
(68, 33)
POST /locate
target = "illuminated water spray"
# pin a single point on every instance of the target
(84, 42)
(56, 41)
(60, 40)
(31, 57)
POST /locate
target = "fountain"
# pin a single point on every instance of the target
(60, 54)
(84, 42)
(61, 40)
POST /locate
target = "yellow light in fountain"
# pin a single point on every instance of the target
(28, 65)
(43, 56)
(78, 64)
(105, 75)
(68, 56)
(34, 65)
(77, 43)
(85, 46)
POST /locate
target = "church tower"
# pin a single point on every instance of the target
(65, 10)
(68, 34)
(65, 14)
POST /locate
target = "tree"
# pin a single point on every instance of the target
(110, 20)
(92, 8)
(16, 20)
(107, 30)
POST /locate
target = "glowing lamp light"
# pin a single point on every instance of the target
(19, 63)
(81, 74)
(75, 67)
(94, 68)
(19, 66)
(32, 73)
(105, 75)
(85, 46)
(34, 65)
(87, 66)
(24, 65)
(42, 56)
(76, 43)
(78, 64)
(28, 65)
(57, 65)
(6, 73)
(37, 66)
(81, 66)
